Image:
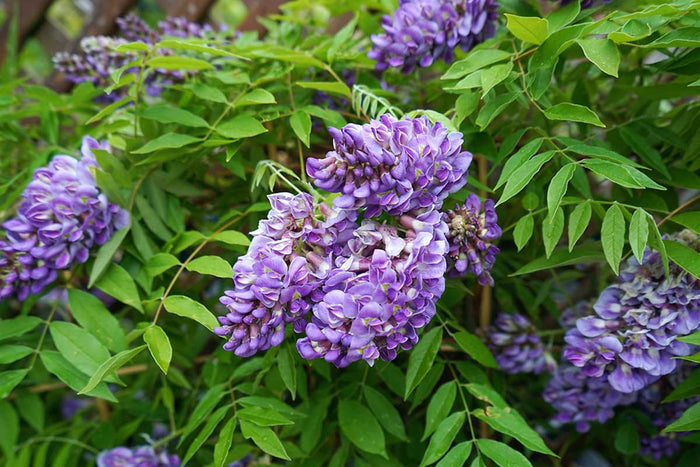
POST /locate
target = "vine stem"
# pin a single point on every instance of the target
(187, 261)
(678, 209)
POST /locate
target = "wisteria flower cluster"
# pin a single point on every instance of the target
(100, 57)
(473, 229)
(367, 285)
(580, 400)
(63, 215)
(141, 456)
(633, 333)
(517, 347)
(423, 31)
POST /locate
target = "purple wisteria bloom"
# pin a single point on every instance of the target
(517, 347)
(100, 58)
(473, 230)
(382, 289)
(632, 336)
(581, 399)
(423, 31)
(392, 166)
(284, 264)
(141, 456)
(62, 216)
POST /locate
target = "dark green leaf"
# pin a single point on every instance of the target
(12, 353)
(442, 439)
(552, 229)
(528, 29)
(476, 349)
(114, 363)
(385, 412)
(263, 416)
(508, 421)
(502, 454)
(689, 421)
(265, 439)
(558, 186)
(603, 53)
(212, 265)
(159, 346)
(169, 114)
(574, 113)
(18, 326)
(523, 231)
(612, 236)
(74, 378)
(639, 233)
(421, 358)
(522, 176)
(231, 237)
(627, 439)
(78, 346)
(288, 371)
(91, 313)
(586, 254)
(206, 432)
(457, 456)
(223, 445)
(119, 284)
(179, 63)
(360, 426)
(105, 254)
(166, 141)
(332, 87)
(301, 124)
(476, 60)
(9, 380)
(685, 257)
(578, 221)
(690, 220)
(241, 126)
(440, 405)
(186, 307)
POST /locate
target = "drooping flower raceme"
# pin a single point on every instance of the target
(633, 334)
(473, 228)
(141, 456)
(392, 166)
(580, 399)
(62, 216)
(382, 289)
(423, 31)
(100, 57)
(517, 347)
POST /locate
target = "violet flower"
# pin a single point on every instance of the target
(141, 456)
(517, 347)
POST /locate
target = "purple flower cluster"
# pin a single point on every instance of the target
(473, 228)
(141, 456)
(367, 285)
(514, 341)
(632, 336)
(392, 166)
(423, 31)
(63, 215)
(100, 57)
(580, 399)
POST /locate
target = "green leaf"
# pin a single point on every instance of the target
(208, 93)
(288, 370)
(639, 233)
(475, 60)
(612, 235)
(465, 105)
(9, 429)
(152, 219)
(476, 349)
(91, 313)
(627, 439)
(206, 432)
(212, 265)
(522, 176)
(597, 152)
(442, 439)
(265, 439)
(683, 37)
(115, 362)
(586, 254)
(74, 378)
(563, 16)
(644, 150)
(421, 358)
(179, 63)
(689, 421)
(360, 426)
(626, 176)
(558, 186)
(159, 346)
(334, 87)
(301, 124)
(231, 237)
(578, 221)
(508, 421)
(458, 455)
(523, 231)
(109, 110)
(161, 262)
(255, 97)
(690, 220)
(689, 387)
(186, 307)
(18, 326)
(552, 229)
(685, 257)
(166, 141)
(105, 254)
(440, 405)
(169, 114)
(12, 353)
(119, 284)
(263, 417)
(78, 346)
(502, 454)
(656, 242)
(528, 29)
(486, 393)
(241, 126)
(574, 113)
(31, 409)
(204, 407)
(603, 53)
(385, 412)
(9, 380)
(186, 44)
(223, 444)
(492, 76)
